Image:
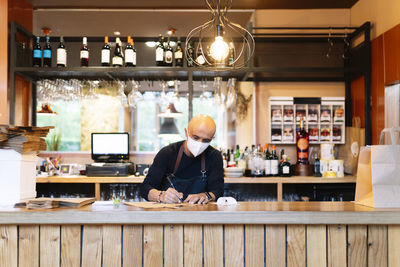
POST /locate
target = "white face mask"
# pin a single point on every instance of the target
(196, 147)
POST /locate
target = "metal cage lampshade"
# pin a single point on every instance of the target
(219, 42)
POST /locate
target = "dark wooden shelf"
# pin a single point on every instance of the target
(183, 73)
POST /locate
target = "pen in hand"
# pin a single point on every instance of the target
(172, 185)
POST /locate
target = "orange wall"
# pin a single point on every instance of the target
(3, 62)
(22, 12)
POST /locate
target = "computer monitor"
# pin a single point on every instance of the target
(110, 147)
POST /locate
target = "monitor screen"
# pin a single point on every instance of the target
(110, 146)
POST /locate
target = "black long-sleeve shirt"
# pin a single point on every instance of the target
(189, 167)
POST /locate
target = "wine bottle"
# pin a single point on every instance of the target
(178, 54)
(47, 53)
(231, 57)
(130, 53)
(168, 58)
(84, 55)
(190, 55)
(274, 162)
(105, 53)
(199, 57)
(284, 168)
(37, 53)
(61, 54)
(118, 60)
(267, 161)
(160, 51)
(302, 140)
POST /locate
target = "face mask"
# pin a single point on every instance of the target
(196, 147)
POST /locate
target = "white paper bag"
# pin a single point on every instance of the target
(385, 172)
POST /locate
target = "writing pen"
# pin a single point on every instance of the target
(172, 185)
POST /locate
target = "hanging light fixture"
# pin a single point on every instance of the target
(170, 112)
(219, 42)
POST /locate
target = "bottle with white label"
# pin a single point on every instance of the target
(285, 167)
(61, 54)
(179, 54)
(267, 162)
(274, 162)
(130, 53)
(160, 51)
(168, 58)
(105, 53)
(84, 55)
(118, 59)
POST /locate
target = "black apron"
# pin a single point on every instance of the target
(187, 186)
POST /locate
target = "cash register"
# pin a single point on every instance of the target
(110, 152)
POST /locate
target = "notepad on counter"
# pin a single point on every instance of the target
(49, 203)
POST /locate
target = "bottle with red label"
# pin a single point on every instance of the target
(302, 140)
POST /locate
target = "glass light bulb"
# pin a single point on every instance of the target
(219, 49)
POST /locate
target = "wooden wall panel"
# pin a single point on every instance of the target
(153, 245)
(70, 245)
(391, 42)
(377, 245)
(337, 245)
(234, 245)
(173, 245)
(112, 245)
(92, 246)
(49, 251)
(377, 89)
(296, 245)
(3, 61)
(133, 245)
(316, 245)
(358, 99)
(394, 245)
(8, 246)
(28, 239)
(254, 245)
(357, 245)
(275, 245)
(213, 246)
(193, 245)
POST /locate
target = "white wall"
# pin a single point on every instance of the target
(384, 14)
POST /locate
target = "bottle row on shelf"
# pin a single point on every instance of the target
(167, 53)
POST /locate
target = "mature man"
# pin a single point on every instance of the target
(187, 171)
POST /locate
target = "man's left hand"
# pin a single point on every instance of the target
(200, 198)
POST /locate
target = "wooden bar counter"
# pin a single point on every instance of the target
(249, 234)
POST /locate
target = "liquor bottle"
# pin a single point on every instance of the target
(237, 155)
(130, 53)
(302, 139)
(84, 55)
(190, 55)
(47, 53)
(199, 57)
(284, 167)
(178, 54)
(231, 55)
(37, 53)
(160, 51)
(168, 58)
(105, 53)
(267, 161)
(274, 162)
(61, 54)
(118, 58)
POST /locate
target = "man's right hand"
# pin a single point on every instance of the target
(172, 196)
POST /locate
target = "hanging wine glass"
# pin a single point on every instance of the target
(231, 93)
(176, 96)
(92, 95)
(134, 95)
(121, 93)
(219, 97)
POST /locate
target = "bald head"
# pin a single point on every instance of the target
(202, 126)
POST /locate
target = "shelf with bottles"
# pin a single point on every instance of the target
(324, 121)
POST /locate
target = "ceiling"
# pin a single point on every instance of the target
(192, 4)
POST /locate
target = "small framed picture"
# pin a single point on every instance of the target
(288, 114)
(287, 133)
(276, 114)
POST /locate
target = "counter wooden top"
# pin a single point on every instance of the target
(243, 213)
(240, 180)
